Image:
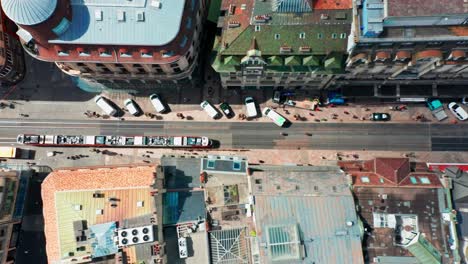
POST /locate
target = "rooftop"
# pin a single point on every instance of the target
(390, 172)
(423, 206)
(309, 207)
(94, 196)
(283, 28)
(405, 8)
(29, 12)
(122, 22)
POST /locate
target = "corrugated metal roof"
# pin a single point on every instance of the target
(123, 22)
(292, 6)
(29, 12)
(319, 203)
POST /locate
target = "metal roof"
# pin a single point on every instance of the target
(314, 202)
(123, 22)
(29, 12)
(292, 6)
(229, 246)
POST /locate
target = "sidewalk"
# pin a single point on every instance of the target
(48, 93)
(74, 110)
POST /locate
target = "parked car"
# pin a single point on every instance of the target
(157, 103)
(458, 111)
(132, 107)
(210, 109)
(227, 111)
(278, 119)
(380, 117)
(251, 107)
(277, 97)
(105, 105)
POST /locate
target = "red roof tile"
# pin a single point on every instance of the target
(393, 169)
(390, 172)
(332, 4)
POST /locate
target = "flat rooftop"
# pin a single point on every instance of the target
(69, 198)
(425, 204)
(411, 8)
(123, 22)
(197, 247)
(305, 209)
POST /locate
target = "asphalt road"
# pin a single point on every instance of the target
(256, 135)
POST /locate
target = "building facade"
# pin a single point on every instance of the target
(281, 43)
(401, 42)
(10, 214)
(121, 44)
(11, 53)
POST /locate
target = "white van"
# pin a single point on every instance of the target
(251, 107)
(210, 109)
(278, 119)
(105, 105)
(158, 105)
(132, 107)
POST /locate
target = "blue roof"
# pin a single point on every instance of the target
(29, 12)
(97, 22)
(103, 243)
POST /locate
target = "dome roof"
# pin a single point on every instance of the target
(29, 12)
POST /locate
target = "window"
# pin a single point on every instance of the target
(365, 179)
(381, 180)
(302, 35)
(183, 42)
(61, 27)
(125, 54)
(83, 53)
(277, 36)
(62, 53)
(189, 23)
(257, 28)
(334, 35)
(343, 35)
(425, 180)
(211, 164)
(413, 180)
(319, 36)
(236, 165)
(146, 54)
(104, 53)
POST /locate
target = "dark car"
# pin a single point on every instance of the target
(278, 97)
(380, 117)
(227, 111)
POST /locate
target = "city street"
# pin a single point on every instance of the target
(320, 136)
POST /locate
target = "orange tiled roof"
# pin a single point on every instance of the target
(85, 179)
(333, 4)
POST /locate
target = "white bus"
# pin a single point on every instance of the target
(277, 118)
